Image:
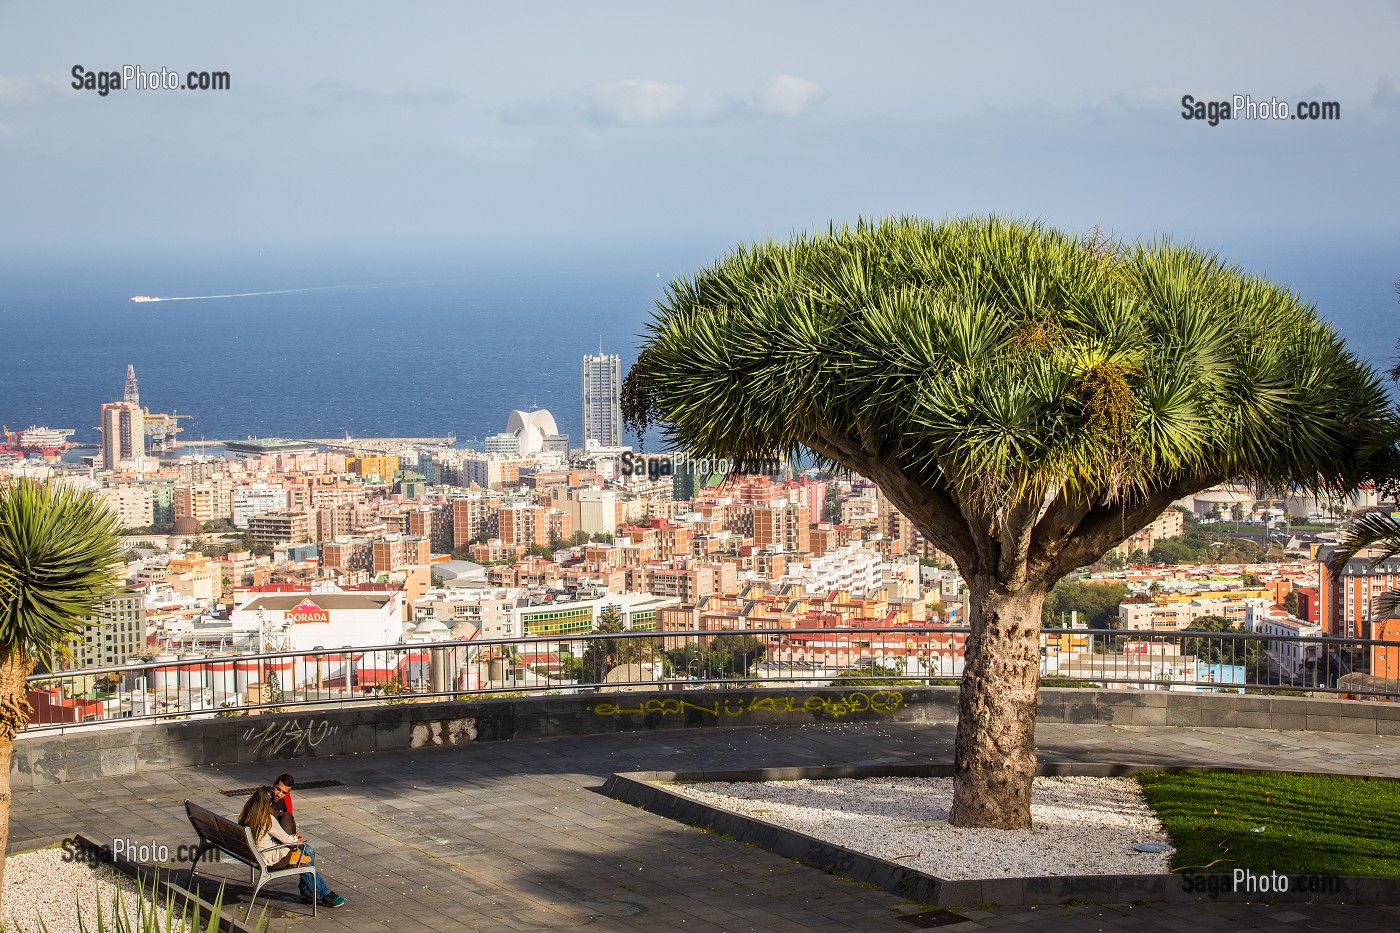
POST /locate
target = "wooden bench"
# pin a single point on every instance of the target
(227, 836)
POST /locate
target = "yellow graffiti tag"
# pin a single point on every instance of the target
(880, 702)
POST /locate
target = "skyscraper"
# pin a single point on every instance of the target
(124, 429)
(602, 399)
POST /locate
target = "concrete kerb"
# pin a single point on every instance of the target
(162, 888)
(646, 790)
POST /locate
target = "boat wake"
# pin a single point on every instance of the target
(279, 291)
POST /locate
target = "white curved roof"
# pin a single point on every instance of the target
(531, 427)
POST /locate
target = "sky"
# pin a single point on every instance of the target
(530, 125)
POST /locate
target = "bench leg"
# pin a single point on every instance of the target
(256, 888)
(194, 866)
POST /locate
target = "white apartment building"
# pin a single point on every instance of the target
(1293, 658)
(256, 499)
(853, 567)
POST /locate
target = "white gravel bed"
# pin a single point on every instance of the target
(1081, 825)
(42, 886)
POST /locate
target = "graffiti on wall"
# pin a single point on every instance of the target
(291, 736)
(879, 702)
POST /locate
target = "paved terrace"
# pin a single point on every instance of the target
(512, 836)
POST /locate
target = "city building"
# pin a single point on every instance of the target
(123, 436)
(393, 552)
(284, 527)
(376, 465)
(1176, 615)
(594, 511)
(532, 525)
(1170, 524)
(434, 522)
(1293, 658)
(131, 505)
(256, 499)
(199, 501)
(602, 400)
(115, 633)
(532, 430)
(506, 444)
(491, 471)
(784, 525)
(307, 620)
(1344, 601)
(348, 554)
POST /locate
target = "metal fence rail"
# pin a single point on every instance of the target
(195, 686)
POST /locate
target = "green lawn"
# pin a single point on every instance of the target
(1312, 824)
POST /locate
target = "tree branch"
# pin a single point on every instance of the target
(922, 499)
(1105, 526)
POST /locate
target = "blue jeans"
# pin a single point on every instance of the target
(306, 887)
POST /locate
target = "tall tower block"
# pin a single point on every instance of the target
(602, 399)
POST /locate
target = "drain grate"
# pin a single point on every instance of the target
(933, 918)
(301, 786)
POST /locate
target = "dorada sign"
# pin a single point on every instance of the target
(307, 611)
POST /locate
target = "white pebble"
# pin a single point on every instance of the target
(1080, 825)
(42, 886)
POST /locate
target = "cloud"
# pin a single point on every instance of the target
(1387, 96)
(34, 90)
(649, 102)
(644, 101)
(787, 95)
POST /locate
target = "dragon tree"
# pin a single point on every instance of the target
(1028, 398)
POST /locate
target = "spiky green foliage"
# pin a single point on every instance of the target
(58, 546)
(1026, 396)
(1382, 533)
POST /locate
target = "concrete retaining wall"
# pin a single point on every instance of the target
(85, 754)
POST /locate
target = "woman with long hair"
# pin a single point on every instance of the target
(281, 849)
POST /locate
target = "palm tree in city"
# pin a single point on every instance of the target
(1026, 397)
(58, 546)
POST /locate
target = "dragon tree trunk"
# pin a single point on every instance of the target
(14, 716)
(994, 762)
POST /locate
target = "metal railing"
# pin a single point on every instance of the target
(213, 685)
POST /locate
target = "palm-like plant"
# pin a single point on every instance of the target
(1027, 398)
(1382, 533)
(58, 546)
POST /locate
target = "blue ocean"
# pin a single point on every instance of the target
(416, 344)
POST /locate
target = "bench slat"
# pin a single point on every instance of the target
(223, 833)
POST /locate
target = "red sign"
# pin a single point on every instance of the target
(307, 611)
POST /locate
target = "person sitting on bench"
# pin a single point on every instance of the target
(282, 848)
(282, 802)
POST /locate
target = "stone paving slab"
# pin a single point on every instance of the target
(515, 836)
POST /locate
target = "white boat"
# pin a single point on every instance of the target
(143, 298)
